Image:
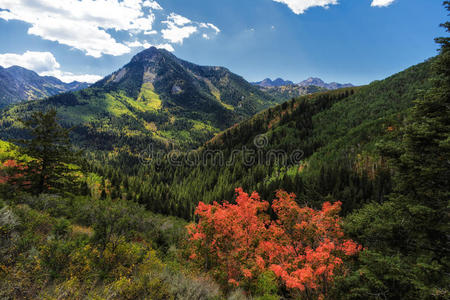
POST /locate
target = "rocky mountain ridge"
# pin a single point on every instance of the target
(18, 84)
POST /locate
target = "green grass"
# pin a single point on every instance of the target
(9, 151)
(149, 97)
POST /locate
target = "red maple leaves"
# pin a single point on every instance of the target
(304, 247)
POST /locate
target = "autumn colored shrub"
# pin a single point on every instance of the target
(303, 247)
(12, 173)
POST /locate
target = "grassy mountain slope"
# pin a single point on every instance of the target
(19, 84)
(155, 99)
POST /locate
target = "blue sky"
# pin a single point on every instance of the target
(355, 41)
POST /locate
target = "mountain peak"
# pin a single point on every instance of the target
(314, 81)
(275, 83)
(161, 99)
(20, 71)
(20, 84)
(151, 54)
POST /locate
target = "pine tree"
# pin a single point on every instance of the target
(423, 161)
(50, 151)
(407, 236)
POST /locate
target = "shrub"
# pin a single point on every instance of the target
(303, 247)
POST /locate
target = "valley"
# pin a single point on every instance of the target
(170, 180)
(156, 98)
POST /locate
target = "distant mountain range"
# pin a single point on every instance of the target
(275, 83)
(19, 84)
(268, 83)
(154, 99)
(286, 92)
(320, 83)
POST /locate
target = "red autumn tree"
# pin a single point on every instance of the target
(225, 235)
(305, 248)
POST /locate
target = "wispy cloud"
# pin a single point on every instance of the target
(177, 28)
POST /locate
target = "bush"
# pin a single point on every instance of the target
(61, 228)
(54, 257)
(267, 286)
(185, 287)
(54, 205)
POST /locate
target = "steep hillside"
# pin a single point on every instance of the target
(327, 142)
(19, 84)
(155, 99)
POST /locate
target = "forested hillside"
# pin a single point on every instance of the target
(339, 194)
(335, 133)
(155, 99)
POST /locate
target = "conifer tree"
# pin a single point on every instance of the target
(50, 151)
(423, 160)
(407, 236)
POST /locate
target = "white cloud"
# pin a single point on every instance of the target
(175, 31)
(45, 64)
(135, 44)
(81, 24)
(168, 47)
(179, 28)
(177, 19)
(176, 34)
(210, 25)
(381, 3)
(146, 45)
(36, 61)
(89, 25)
(69, 77)
(93, 41)
(300, 6)
(150, 32)
(152, 4)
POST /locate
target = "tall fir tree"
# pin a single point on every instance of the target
(50, 151)
(423, 160)
(407, 237)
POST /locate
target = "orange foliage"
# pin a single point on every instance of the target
(305, 248)
(11, 171)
